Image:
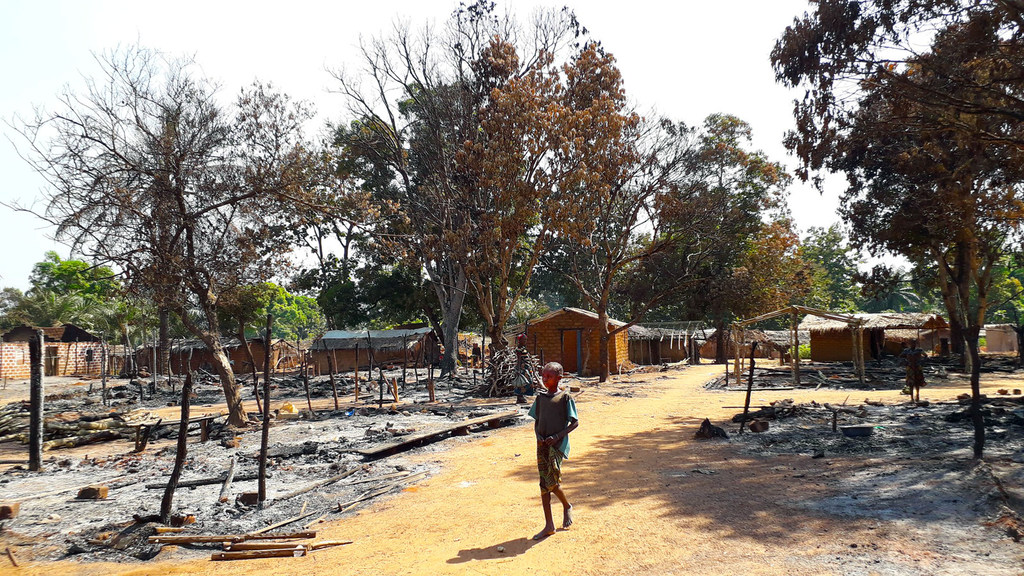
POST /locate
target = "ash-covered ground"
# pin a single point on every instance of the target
(304, 449)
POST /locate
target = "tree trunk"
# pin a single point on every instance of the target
(977, 419)
(602, 347)
(720, 342)
(179, 456)
(450, 287)
(222, 366)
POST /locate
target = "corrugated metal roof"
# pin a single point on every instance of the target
(376, 339)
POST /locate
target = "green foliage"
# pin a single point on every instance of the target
(832, 267)
(296, 317)
(73, 277)
(805, 351)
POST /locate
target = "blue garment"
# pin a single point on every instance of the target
(570, 415)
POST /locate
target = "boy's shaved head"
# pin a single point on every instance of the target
(553, 367)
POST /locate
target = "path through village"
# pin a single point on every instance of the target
(649, 499)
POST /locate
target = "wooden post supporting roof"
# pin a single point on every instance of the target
(856, 329)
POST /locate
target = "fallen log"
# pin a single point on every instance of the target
(82, 440)
(409, 441)
(218, 538)
(203, 481)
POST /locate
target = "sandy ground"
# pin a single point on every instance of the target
(649, 499)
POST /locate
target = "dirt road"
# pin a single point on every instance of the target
(649, 499)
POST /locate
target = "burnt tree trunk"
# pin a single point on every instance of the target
(265, 439)
(179, 456)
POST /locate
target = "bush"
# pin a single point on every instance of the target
(805, 351)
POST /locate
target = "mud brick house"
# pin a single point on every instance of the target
(571, 337)
(352, 349)
(68, 351)
(1000, 338)
(766, 347)
(189, 355)
(832, 340)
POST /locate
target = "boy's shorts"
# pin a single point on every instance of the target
(549, 464)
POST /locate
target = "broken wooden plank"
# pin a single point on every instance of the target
(310, 546)
(250, 554)
(218, 538)
(409, 441)
(265, 545)
(225, 489)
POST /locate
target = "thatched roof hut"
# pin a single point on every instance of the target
(880, 321)
(831, 340)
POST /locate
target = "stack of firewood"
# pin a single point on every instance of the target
(502, 370)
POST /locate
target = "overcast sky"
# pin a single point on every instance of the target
(686, 59)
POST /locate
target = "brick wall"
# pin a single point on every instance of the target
(546, 338)
(60, 359)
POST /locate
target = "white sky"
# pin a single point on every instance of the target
(686, 59)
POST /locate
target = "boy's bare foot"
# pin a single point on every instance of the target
(567, 518)
(547, 531)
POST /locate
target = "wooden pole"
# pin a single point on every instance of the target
(103, 369)
(265, 440)
(305, 383)
(355, 373)
(330, 373)
(179, 456)
(35, 423)
(430, 383)
(750, 387)
(860, 363)
(796, 351)
(155, 342)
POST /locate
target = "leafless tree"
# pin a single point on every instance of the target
(149, 171)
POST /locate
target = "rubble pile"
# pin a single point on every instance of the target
(104, 506)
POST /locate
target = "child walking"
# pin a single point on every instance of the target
(554, 414)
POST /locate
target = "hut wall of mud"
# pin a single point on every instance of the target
(195, 356)
(349, 350)
(835, 346)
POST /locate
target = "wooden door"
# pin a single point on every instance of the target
(570, 350)
(51, 363)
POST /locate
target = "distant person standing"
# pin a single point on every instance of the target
(913, 356)
(478, 356)
(554, 414)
